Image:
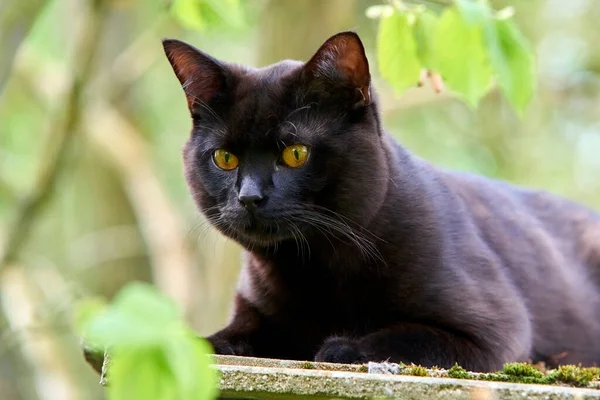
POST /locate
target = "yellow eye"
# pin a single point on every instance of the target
(225, 160)
(295, 155)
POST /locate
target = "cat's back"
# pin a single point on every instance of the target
(523, 226)
(530, 215)
(548, 247)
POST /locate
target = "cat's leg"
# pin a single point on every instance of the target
(419, 344)
(247, 334)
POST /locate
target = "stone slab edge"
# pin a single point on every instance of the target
(278, 382)
(275, 363)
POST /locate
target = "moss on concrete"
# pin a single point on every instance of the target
(252, 382)
(512, 372)
(575, 376)
(417, 370)
(458, 372)
(527, 373)
(265, 379)
(268, 362)
(307, 365)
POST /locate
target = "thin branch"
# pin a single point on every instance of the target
(60, 139)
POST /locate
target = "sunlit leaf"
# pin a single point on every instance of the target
(199, 14)
(512, 61)
(141, 375)
(195, 378)
(425, 28)
(460, 56)
(154, 356)
(228, 12)
(87, 310)
(397, 51)
(473, 12)
(139, 316)
(188, 14)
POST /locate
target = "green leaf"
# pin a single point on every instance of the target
(154, 355)
(512, 61)
(199, 14)
(228, 12)
(397, 51)
(141, 375)
(139, 316)
(195, 378)
(188, 14)
(460, 56)
(424, 34)
(473, 12)
(86, 310)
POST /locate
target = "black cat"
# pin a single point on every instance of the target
(358, 250)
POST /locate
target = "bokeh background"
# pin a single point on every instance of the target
(92, 121)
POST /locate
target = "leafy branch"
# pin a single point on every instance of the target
(467, 44)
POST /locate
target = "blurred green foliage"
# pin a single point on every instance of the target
(200, 14)
(121, 210)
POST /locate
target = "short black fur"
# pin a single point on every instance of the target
(367, 252)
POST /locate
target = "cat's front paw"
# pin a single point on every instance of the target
(228, 348)
(220, 346)
(340, 350)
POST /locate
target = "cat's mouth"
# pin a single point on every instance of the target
(265, 232)
(253, 230)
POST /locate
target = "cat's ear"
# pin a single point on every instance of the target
(202, 77)
(341, 61)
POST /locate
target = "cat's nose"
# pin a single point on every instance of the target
(251, 200)
(251, 194)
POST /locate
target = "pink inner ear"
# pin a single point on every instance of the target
(352, 63)
(344, 52)
(199, 76)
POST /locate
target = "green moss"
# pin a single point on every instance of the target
(522, 370)
(527, 373)
(446, 386)
(458, 372)
(307, 365)
(363, 368)
(502, 377)
(514, 373)
(574, 375)
(417, 370)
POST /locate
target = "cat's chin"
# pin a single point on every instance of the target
(252, 232)
(251, 239)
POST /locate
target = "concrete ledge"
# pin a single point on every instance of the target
(254, 378)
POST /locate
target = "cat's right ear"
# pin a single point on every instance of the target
(201, 76)
(341, 64)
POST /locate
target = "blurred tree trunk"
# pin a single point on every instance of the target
(292, 29)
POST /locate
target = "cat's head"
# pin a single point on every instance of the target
(293, 148)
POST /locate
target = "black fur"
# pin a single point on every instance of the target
(367, 252)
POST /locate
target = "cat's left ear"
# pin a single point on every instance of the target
(341, 62)
(202, 77)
